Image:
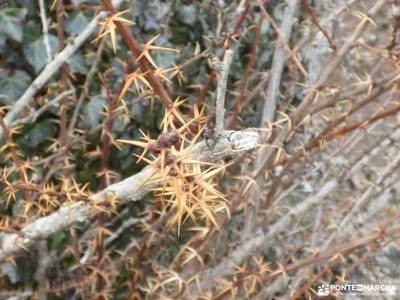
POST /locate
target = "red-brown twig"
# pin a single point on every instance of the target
(314, 19)
(136, 50)
(282, 39)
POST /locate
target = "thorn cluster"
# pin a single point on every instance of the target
(186, 185)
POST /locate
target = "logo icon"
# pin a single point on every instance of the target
(392, 291)
(323, 290)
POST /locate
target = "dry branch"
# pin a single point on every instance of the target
(273, 92)
(37, 113)
(301, 111)
(333, 16)
(282, 37)
(272, 96)
(229, 143)
(334, 175)
(249, 246)
(335, 254)
(278, 64)
(143, 64)
(223, 71)
(45, 28)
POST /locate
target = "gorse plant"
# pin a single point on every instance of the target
(187, 185)
(197, 149)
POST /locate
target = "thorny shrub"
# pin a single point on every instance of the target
(105, 105)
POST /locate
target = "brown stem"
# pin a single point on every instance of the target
(142, 63)
(14, 155)
(314, 19)
(64, 69)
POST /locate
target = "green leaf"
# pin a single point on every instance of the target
(11, 22)
(188, 14)
(12, 87)
(164, 58)
(137, 112)
(151, 22)
(2, 41)
(77, 23)
(93, 110)
(57, 239)
(119, 124)
(35, 52)
(40, 132)
(77, 64)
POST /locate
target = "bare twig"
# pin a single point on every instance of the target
(271, 99)
(45, 26)
(248, 246)
(363, 200)
(227, 42)
(314, 19)
(333, 16)
(221, 90)
(278, 64)
(331, 67)
(60, 14)
(282, 39)
(238, 104)
(143, 64)
(301, 111)
(36, 114)
(125, 224)
(246, 102)
(41, 270)
(86, 86)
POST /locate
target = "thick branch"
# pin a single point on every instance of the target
(278, 64)
(229, 143)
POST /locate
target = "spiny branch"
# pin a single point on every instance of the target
(143, 64)
(229, 143)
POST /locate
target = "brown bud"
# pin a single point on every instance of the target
(173, 137)
(169, 158)
(194, 127)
